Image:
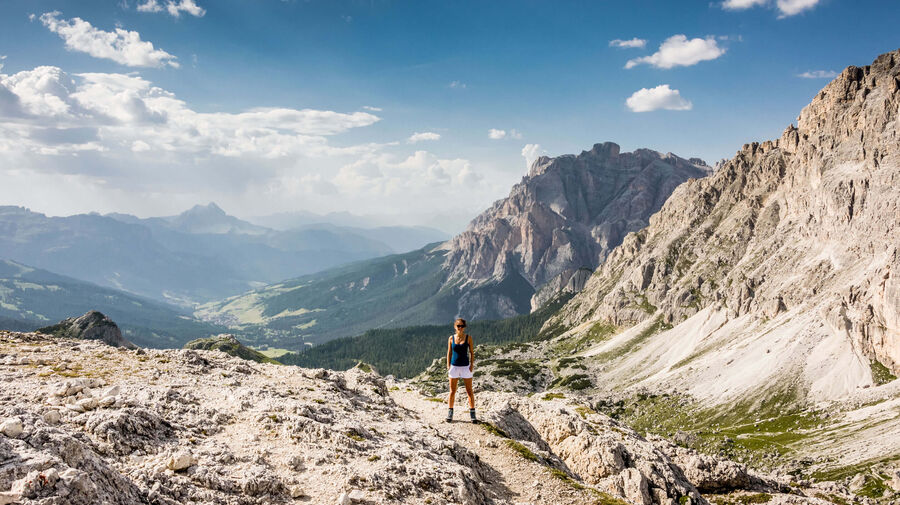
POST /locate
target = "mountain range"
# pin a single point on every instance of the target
(200, 255)
(558, 223)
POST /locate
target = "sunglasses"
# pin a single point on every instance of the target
(460, 326)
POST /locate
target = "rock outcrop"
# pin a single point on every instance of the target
(91, 326)
(230, 345)
(568, 213)
(784, 265)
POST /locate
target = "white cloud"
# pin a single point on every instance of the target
(818, 74)
(173, 8)
(2, 57)
(126, 109)
(628, 44)
(383, 175)
(457, 85)
(418, 137)
(122, 46)
(742, 4)
(373, 109)
(660, 97)
(791, 7)
(678, 50)
(117, 142)
(785, 7)
(531, 152)
(139, 146)
(495, 134)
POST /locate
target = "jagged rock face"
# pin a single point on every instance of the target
(805, 227)
(91, 326)
(568, 213)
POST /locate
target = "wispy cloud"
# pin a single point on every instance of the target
(741, 4)
(531, 152)
(792, 7)
(173, 8)
(627, 44)
(419, 137)
(660, 97)
(373, 109)
(122, 46)
(785, 8)
(495, 134)
(457, 85)
(679, 51)
(2, 57)
(818, 74)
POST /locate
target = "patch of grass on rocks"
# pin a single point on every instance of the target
(522, 450)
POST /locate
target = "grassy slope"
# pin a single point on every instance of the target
(396, 290)
(405, 352)
(29, 295)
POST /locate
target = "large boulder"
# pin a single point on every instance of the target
(91, 326)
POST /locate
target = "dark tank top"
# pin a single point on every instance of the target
(460, 355)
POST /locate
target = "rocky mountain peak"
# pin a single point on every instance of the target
(792, 240)
(567, 214)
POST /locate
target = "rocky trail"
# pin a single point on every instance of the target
(516, 479)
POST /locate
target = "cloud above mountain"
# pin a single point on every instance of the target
(818, 74)
(660, 97)
(173, 8)
(423, 136)
(115, 140)
(121, 46)
(628, 44)
(785, 7)
(679, 51)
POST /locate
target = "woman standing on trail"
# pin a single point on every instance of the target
(460, 364)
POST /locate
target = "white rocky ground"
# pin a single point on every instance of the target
(85, 423)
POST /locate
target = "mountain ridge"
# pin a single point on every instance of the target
(782, 267)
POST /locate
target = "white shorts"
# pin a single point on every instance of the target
(460, 372)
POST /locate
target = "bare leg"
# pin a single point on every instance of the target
(469, 393)
(453, 385)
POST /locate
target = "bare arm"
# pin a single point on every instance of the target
(449, 352)
(471, 352)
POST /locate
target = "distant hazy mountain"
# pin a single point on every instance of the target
(112, 253)
(203, 219)
(199, 255)
(32, 298)
(436, 224)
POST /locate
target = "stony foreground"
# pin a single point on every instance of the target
(85, 423)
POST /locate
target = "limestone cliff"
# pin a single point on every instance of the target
(787, 257)
(568, 213)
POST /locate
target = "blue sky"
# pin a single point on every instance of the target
(270, 106)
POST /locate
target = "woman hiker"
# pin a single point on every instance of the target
(460, 364)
